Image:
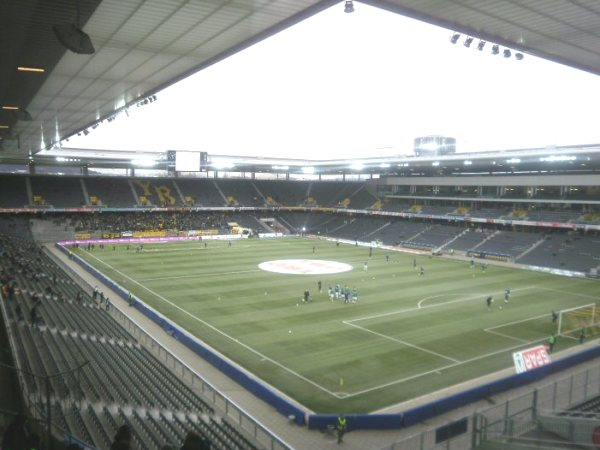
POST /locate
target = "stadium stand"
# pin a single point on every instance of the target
(13, 192)
(201, 192)
(511, 243)
(160, 193)
(565, 251)
(282, 193)
(59, 191)
(60, 329)
(112, 192)
(240, 193)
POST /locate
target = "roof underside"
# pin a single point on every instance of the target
(143, 46)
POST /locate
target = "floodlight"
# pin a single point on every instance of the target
(495, 49)
(468, 42)
(454, 38)
(506, 53)
(519, 56)
(349, 6)
(480, 45)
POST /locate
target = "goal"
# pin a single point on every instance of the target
(572, 320)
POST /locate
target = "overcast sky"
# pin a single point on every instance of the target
(361, 85)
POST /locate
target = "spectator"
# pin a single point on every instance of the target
(122, 440)
(17, 435)
(194, 441)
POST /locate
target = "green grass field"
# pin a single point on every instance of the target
(407, 335)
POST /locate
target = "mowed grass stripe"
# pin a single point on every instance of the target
(320, 347)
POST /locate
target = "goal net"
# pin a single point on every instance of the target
(573, 320)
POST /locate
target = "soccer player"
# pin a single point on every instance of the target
(414, 263)
(387, 258)
(554, 316)
(330, 292)
(422, 271)
(346, 295)
(319, 285)
(306, 296)
(337, 291)
(582, 336)
(488, 301)
(354, 295)
(365, 266)
(506, 295)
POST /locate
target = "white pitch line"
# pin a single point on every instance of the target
(435, 305)
(400, 341)
(449, 366)
(420, 302)
(247, 347)
(211, 274)
(504, 335)
(514, 322)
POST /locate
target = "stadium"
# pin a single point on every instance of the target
(430, 300)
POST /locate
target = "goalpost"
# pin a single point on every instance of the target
(572, 320)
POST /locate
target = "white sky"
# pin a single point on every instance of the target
(361, 85)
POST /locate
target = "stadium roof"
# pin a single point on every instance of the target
(143, 46)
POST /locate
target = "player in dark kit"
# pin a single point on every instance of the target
(306, 296)
(488, 301)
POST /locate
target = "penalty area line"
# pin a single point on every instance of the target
(222, 333)
(438, 369)
(400, 341)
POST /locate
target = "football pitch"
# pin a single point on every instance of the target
(406, 335)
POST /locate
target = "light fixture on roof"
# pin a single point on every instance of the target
(72, 37)
(30, 69)
(480, 45)
(349, 6)
(519, 56)
(495, 49)
(468, 42)
(4, 127)
(455, 37)
(11, 108)
(506, 53)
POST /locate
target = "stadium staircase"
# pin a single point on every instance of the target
(412, 238)
(221, 193)
(491, 236)
(86, 196)
(441, 247)
(385, 225)
(179, 193)
(260, 194)
(533, 247)
(340, 227)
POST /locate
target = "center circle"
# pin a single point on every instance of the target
(304, 266)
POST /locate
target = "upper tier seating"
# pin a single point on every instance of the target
(112, 192)
(58, 191)
(13, 192)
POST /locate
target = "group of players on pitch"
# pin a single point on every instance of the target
(490, 299)
(336, 292)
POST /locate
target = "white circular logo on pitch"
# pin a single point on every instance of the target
(305, 266)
